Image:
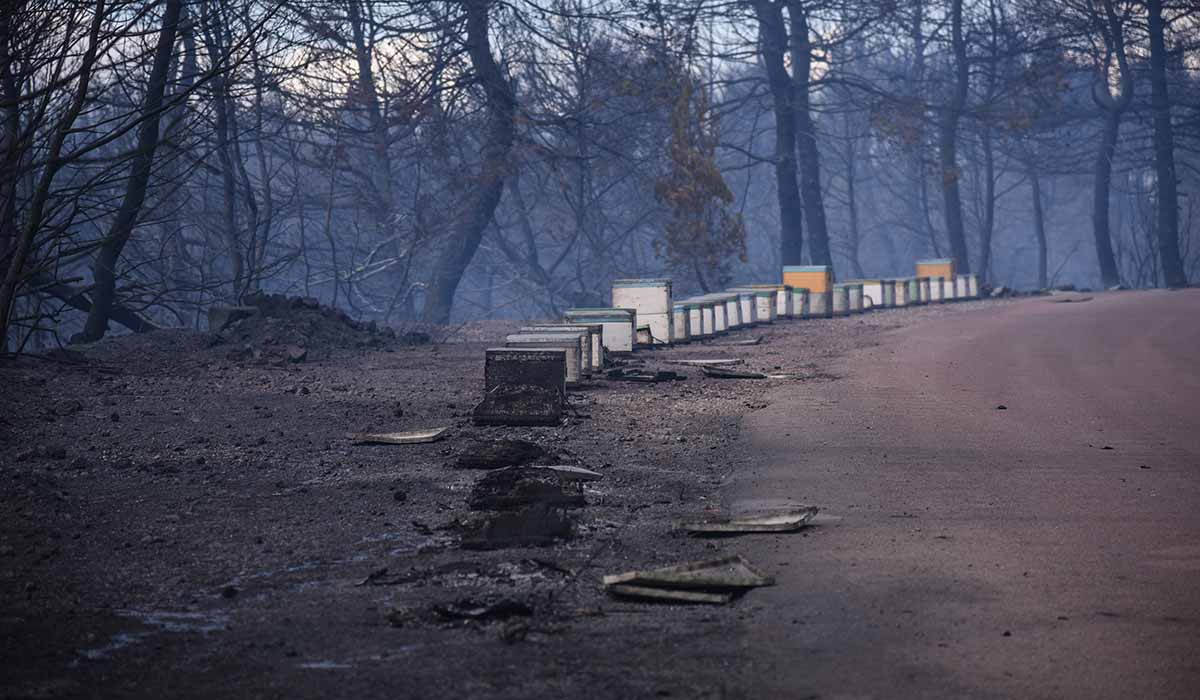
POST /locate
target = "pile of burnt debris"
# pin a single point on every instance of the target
(278, 329)
(527, 497)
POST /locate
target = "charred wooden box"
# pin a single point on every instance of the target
(523, 386)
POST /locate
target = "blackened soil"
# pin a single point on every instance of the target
(182, 518)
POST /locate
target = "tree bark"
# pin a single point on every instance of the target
(852, 244)
(948, 143)
(495, 154)
(1164, 152)
(15, 272)
(1114, 37)
(989, 203)
(1102, 186)
(772, 48)
(10, 93)
(214, 36)
(104, 271)
(1039, 226)
(806, 137)
(381, 195)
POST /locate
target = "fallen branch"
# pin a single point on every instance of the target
(77, 299)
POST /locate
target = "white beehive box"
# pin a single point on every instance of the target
(695, 311)
(562, 341)
(617, 325)
(900, 291)
(764, 302)
(872, 292)
(765, 308)
(708, 317)
(820, 304)
(581, 336)
(799, 302)
(746, 306)
(720, 316)
(784, 305)
(855, 291)
(936, 290)
(914, 291)
(841, 300)
(973, 286)
(593, 339)
(720, 312)
(888, 293)
(923, 290)
(651, 299)
(679, 324)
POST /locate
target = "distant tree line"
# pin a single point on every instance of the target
(421, 162)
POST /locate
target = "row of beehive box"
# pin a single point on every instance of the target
(644, 313)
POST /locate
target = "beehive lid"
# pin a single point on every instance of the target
(604, 315)
(562, 339)
(649, 282)
(564, 330)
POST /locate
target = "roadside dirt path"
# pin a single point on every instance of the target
(1047, 549)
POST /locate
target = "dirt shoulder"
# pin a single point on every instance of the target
(182, 516)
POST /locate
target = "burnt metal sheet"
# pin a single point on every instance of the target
(775, 521)
(721, 574)
(670, 595)
(723, 373)
(410, 437)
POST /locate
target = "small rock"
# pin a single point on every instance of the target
(1002, 407)
(222, 317)
(229, 592)
(295, 353)
(68, 407)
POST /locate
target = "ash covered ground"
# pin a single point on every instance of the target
(185, 514)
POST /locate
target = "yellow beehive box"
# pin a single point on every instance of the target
(937, 267)
(817, 279)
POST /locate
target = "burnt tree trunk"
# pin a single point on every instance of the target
(1102, 186)
(1164, 152)
(104, 272)
(9, 171)
(495, 154)
(213, 24)
(852, 243)
(23, 248)
(1039, 226)
(988, 226)
(1113, 108)
(806, 138)
(948, 143)
(772, 49)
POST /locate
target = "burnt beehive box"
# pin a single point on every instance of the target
(523, 386)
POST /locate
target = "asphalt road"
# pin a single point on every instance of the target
(1050, 549)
